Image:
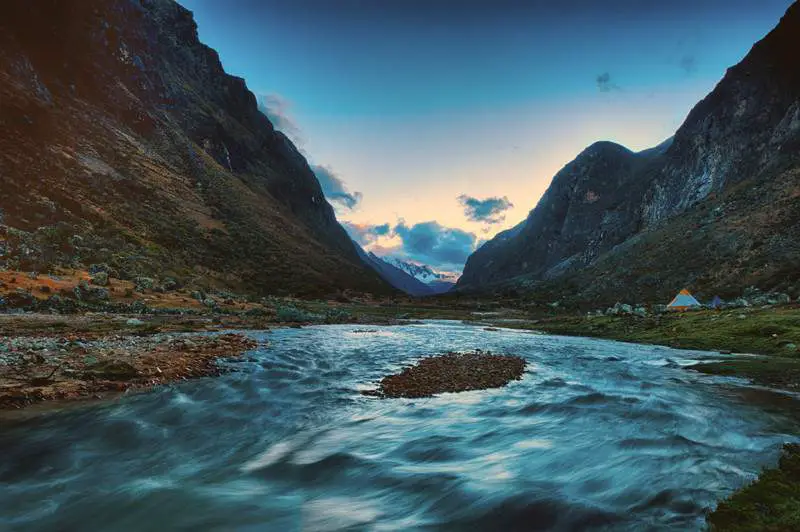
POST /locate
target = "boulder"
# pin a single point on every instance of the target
(113, 370)
(90, 294)
(144, 283)
(98, 268)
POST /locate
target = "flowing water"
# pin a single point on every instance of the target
(597, 435)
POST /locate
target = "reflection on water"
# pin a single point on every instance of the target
(597, 435)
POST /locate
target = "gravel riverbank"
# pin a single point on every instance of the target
(72, 367)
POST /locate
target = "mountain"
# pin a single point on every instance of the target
(438, 282)
(393, 275)
(716, 208)
(123, 141)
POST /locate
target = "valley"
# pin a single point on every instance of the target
(197, 307)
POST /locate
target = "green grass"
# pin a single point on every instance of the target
(771, 504)
(761, 331)
(768, 331)
(775, 372)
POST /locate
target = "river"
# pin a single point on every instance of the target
(598, 435)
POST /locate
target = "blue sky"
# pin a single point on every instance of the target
(424, 114)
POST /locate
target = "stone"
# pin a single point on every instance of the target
(114, 370)
(98, 268)
(90, 294)
(144, 283)
(134, 322)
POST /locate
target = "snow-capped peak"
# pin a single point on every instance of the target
(421, 272)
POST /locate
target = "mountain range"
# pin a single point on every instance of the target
(124, 142)
(413, 279)
(715, 208)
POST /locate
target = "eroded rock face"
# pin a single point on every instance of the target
(714, 193)
(119, 127)
(748, 128)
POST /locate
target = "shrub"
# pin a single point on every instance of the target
(292, 314)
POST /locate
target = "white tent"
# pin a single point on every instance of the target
(684, 300)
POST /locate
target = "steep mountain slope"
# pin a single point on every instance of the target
(122, 140)
(716, 208)
(592, 204)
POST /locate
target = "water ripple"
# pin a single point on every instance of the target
(597, 435)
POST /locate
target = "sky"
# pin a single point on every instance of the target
(434, 124)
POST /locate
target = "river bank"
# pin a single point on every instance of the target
(74, 367)
(85, 356)
(642, 442)
(93, 354)
(773, 333)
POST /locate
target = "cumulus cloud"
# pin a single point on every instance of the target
(489, 210)
(278, 110)
(335, 189)
(430, 243)
(366, 234)
(689, 64)
(434, 244)
(604, 83)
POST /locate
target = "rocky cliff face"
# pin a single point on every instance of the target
(122, 140)
(592, 204)
(648, 223)
(746, 129)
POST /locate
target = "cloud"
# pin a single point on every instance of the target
(430, 243)
(689, 64)
(278, 110)
(334, 188)
(366, 234)
(436, 245)
(604, 83)
(489, 210)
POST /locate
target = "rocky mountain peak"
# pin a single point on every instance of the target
(120, 125)
(616, 220)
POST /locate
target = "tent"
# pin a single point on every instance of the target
(716, 302)
(683, 301)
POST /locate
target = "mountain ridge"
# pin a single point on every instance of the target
(613, 222)
(125, 142)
